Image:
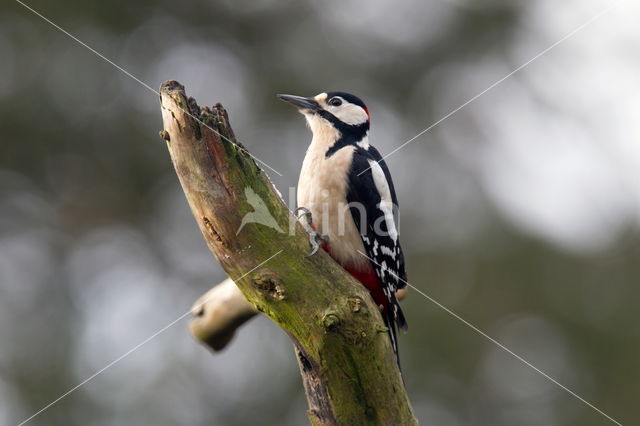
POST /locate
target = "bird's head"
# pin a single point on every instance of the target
(341, 111)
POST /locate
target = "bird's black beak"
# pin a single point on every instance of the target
(301, 103)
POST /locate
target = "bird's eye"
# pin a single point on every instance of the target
(335, 101)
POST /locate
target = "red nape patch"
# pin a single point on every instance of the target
(367, 111)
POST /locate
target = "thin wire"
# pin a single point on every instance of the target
(520, 68)
(497, 343)
(500, 345)
(127, 73)
(130, 351)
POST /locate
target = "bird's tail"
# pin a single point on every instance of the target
(395, 319)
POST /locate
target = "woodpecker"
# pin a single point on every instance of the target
(346, 190)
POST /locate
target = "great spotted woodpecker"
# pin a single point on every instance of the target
(346, 187)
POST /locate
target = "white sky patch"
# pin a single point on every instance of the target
(386, 204)
(555, 148)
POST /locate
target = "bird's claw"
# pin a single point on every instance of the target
(315, 238)
(305, 212)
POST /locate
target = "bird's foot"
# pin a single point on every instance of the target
(315, 238)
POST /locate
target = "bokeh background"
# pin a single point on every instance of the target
(520, 212)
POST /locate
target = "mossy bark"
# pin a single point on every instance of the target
(346, 360)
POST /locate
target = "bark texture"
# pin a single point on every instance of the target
(348, 368)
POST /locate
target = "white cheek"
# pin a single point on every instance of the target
(351, 114)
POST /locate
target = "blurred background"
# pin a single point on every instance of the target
(521, 212)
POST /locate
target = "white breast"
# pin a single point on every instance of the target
(322, 188)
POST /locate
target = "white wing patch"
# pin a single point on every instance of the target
(388, 251)
(386, 203)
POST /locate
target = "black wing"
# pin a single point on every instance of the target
(380, 241)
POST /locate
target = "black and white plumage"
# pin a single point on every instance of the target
(347, 187)
(370, 185)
